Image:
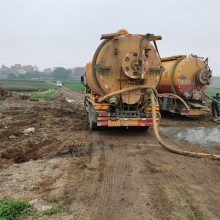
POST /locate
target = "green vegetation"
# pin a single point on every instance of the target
(194, 214)
(53, 210)
(56, 205)
(37, 85)
(74, 86)
(54, 199)
(61, 73)
(51, 93)
(26, 85)
(11, 208)
(212, 91)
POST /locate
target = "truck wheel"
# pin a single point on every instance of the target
(145, 128)
(92, 124)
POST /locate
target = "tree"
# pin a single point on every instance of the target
(12, 76)
(61, 73)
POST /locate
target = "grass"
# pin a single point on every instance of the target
(212, 91)
(53, 210)
(194, 214)
(51, 93)
(26, 85)
(74, 86)
(11, 208)
(56, 205)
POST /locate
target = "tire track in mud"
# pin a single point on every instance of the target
(103, 198)
(109, 195)
(190, 202)
(168, 197)
(179, 193)
(106, 192)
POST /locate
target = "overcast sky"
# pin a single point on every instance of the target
(52, 33)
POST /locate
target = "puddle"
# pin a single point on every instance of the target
(203, 136)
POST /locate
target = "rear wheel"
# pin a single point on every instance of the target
(92, 122)
(144, 128)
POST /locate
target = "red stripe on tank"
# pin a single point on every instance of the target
(180, 89)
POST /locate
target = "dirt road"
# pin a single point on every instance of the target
(110, 174)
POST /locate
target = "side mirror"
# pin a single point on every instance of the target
(82, 80)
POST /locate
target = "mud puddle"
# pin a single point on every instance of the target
(202, 136)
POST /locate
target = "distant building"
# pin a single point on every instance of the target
(36, 68)
(12, 69)
(21, 71)
(17, 68)
(48, 70)
(4, 69)
(28, 68)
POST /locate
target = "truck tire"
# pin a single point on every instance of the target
(145, 128)
(92, 123)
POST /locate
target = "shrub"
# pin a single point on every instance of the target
(11, 208)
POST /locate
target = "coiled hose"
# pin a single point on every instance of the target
(172, 148)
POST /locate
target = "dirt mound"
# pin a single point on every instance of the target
(3, 93)
(21, 155)
(25, 97)
(53, 127)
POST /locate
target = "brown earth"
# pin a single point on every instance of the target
(109, 174)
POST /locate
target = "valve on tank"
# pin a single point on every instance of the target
(113, 101)
(203, 76)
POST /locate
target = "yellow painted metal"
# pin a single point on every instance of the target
(116, 123)
(100, 107)
(115, 67)
(184, 74)
(89, 79)
(122, 91)
(196, 112)
(149, 108)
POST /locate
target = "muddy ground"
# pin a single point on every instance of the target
(47, 150)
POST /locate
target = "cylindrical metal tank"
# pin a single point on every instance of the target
(123, 61)
(185, 76)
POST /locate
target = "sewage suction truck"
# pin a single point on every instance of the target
(183, 84)
(124, 71)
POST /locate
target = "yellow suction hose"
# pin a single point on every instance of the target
(172, 148)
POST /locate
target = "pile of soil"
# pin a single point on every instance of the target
(3, 93)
